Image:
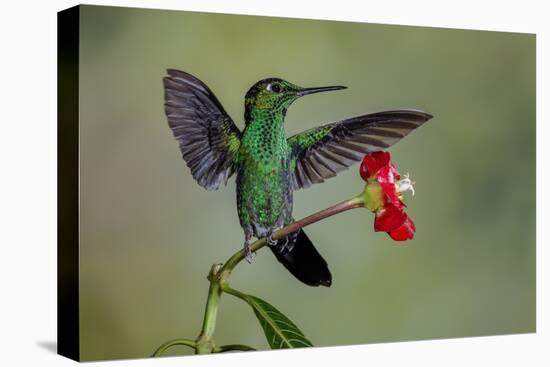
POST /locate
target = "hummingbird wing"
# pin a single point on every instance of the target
(208, 139)
(320, 153)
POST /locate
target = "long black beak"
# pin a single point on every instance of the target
(307, 91)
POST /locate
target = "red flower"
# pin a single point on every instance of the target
(382, 196)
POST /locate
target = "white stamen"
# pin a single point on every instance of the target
(405, 184)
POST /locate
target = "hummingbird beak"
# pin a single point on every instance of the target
(306, 91)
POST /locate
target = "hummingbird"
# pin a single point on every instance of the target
(269, 167)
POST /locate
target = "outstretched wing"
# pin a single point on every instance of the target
(208, 138)
(322, 152)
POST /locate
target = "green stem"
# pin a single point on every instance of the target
(227, 289)
(219, 275)
(171, 343)
(205, 341)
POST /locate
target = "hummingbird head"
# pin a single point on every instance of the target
(276, 95)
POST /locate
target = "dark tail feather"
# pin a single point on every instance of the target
(304, 262)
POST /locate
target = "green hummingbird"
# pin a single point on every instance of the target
(269, 166)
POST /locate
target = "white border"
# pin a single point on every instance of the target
(28, 181)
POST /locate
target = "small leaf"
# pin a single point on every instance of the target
(232, 347)
(279, 330)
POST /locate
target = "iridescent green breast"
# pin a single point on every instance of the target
(264, 197)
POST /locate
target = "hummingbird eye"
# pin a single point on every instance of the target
(274, 87)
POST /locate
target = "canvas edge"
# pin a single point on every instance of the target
(68, 316)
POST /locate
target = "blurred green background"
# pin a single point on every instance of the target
(149, 233)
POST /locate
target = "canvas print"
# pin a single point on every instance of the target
(233, 183)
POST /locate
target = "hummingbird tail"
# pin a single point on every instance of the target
(304, 261)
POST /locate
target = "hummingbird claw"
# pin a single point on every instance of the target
(289, 245)
(285, 246)
(248, 254)
(270, 241)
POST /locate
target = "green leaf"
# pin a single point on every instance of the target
(232, 347)
(278, 329)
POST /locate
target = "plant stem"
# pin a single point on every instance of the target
(230, 264)
(205, 341)
(171, 343)
(219, 274)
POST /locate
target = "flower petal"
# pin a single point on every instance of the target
(405, 231)
(391, 196)
(389, 218)
(372, 163)
(387, 176)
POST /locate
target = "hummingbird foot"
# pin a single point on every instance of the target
(281, 247)
(289, 245)
(286, 246)
(248, 254)
(270, 241)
